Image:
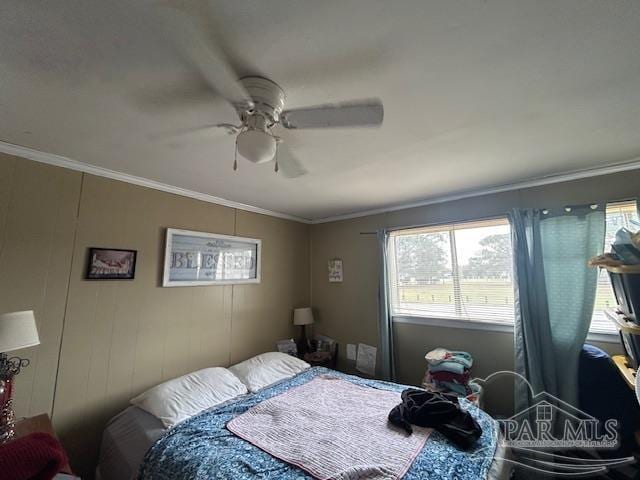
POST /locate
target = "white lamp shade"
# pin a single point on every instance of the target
(18, 330)
(303, 316)
(256, 146)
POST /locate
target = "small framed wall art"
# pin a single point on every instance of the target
(335, 270)
(111, 264)
(200, 258)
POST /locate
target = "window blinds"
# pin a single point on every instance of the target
(460, 270)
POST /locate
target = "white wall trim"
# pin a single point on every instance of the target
(455, 323)
(603, 337)
(633, 164)
(61, 161)
(488, 326)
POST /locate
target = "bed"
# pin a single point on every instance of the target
(137, 446)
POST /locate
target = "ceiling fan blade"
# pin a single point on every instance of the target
(178, 96)
(361, 113)
(211, 130)
(187, 27)
(288, 164)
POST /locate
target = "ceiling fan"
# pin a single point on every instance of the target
(258, 101)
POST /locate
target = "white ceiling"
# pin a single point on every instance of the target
(476, 93)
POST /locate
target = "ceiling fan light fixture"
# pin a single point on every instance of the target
(256, 146)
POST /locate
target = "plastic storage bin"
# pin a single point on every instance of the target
(631, 345)
(629, 336)
(626, 286)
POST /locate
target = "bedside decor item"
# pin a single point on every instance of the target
(320, 359)
(111, 264)
(303, 317)
(17, 330)
(199, 258)
(322, 343)
(287, 346)
(335, 270)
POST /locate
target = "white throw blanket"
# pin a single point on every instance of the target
(334, 430)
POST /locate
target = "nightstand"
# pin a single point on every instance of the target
(320, 359)
(39, 423)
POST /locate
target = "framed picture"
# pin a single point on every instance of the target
(199, 258)
(111, 264)
(335, 270)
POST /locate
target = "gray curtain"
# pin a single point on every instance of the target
(554, 295)
(385, 322)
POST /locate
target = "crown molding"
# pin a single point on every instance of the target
(633, 164)
(61, 161)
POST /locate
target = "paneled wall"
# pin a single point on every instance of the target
(38, 208)
(118, 338)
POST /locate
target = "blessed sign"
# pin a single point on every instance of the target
(198, 258)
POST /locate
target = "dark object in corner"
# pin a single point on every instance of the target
(37, 456)
(603, 393)
(303, 344)
(438, 411)
(626, 287)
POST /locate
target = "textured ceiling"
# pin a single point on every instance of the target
(476, 93)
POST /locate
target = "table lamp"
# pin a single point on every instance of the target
(17, 330)
(303, 317)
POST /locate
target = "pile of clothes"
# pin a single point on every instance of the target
(439, 411)
(449, 372)
(37, 456)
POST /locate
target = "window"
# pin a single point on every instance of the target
(459, 271)
(619, 214)
(463, 271)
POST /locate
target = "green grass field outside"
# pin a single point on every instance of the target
(478, 292)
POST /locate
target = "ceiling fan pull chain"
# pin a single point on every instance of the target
(235, 157)
(276, 168)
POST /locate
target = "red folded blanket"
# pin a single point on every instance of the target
(37, 456)
(461, 379)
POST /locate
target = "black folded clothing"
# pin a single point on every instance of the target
(438, 411)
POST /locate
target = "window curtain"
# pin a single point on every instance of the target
(554, 295)
(385, 321)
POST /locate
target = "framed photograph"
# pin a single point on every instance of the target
(335, 270)
(111, 264)
(199, 258)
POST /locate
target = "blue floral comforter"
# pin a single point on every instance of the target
(201, 448)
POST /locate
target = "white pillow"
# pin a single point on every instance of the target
(178, 399)
(267, 368)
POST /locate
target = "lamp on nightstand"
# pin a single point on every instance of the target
(17, 330)
(303, 317)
